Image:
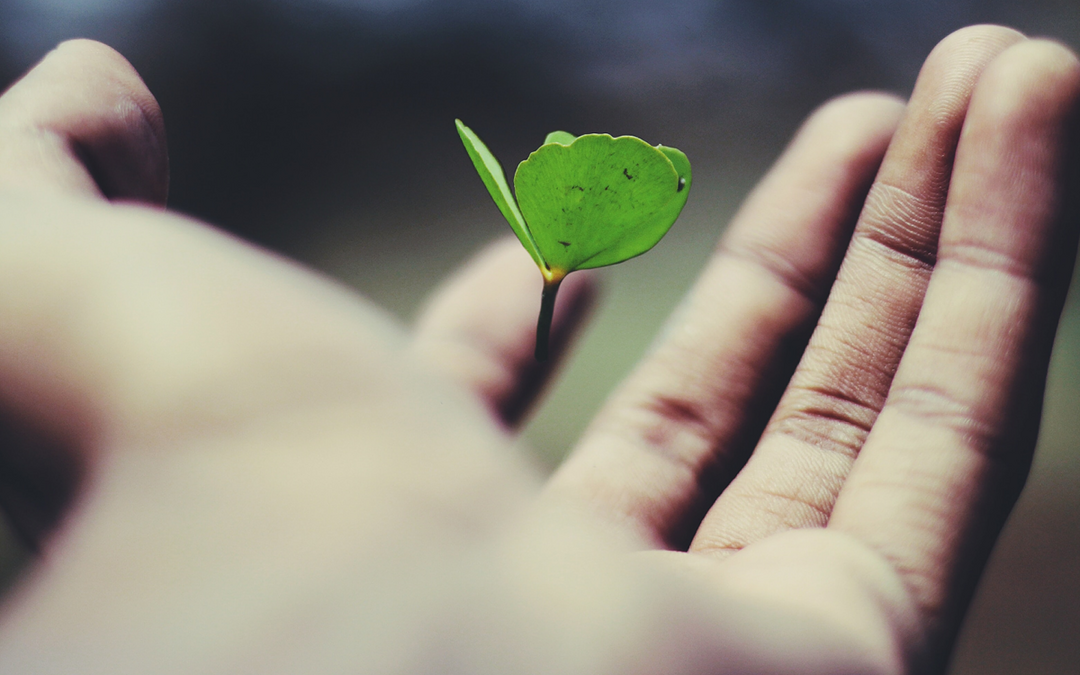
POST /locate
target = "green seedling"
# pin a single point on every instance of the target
(583, 202)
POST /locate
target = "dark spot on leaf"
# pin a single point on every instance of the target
(682, 184)
(577, 187)
(565, 243)
(626, 173)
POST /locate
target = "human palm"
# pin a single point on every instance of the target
(234, 466)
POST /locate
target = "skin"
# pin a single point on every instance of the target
(231, 465)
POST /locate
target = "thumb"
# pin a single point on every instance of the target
(82, 122)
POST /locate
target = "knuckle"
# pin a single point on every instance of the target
(827, 418)
(777, 266)
(678, 429)
(901, 223)
(938, 406)
(985, 257)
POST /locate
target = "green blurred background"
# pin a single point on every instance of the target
(324, 129)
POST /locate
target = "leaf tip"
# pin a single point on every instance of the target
(560, 137)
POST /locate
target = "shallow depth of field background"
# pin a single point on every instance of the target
(324, 129)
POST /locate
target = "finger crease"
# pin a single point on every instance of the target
(677, 415)
(903, 223)
(984, 258)
(781, 504)
(828, 419)
(779, 267)
(944, 409)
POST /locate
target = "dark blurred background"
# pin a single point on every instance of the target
(324, 129)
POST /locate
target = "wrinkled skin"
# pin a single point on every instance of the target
(231, 465)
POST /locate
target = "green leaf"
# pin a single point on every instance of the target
(651, 231)
(491, 173)
(600, 200)
(584, 201)
(560, 137)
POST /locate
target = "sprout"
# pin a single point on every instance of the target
(583, 202)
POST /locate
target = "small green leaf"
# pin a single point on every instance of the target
(651, 231)
(491, 173)
(560, 137)
(599, 200)
(585, 201)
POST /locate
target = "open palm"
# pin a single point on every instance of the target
(234, 466)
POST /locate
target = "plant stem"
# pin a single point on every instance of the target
(543, 324)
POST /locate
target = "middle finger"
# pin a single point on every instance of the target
(802, 460)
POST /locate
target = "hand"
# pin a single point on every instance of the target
(233, 466)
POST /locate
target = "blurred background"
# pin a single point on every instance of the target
(324, 129)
